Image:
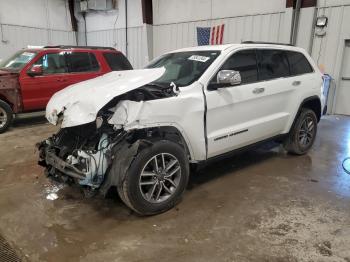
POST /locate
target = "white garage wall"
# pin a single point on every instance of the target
(108, 29)
(328, 50)
(137, 42)
(34, 22)
(175, 22)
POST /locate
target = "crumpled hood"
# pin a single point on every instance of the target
(81, 102)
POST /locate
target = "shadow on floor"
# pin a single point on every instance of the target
(29, 121)
(230, 165)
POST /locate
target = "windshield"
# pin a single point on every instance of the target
(183, 68)
(18, 60)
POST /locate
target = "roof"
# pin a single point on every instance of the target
(79, 47)
(234, 46)
(65, 47)
(207, 48)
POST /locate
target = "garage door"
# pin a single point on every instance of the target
(343, 93)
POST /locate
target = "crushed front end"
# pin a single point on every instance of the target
(80, 154)
(83, 153)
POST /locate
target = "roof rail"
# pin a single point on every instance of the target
(268, 43)
(83, 47)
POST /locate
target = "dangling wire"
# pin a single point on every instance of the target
(344, 167)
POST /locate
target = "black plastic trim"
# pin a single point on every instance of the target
(239, 150)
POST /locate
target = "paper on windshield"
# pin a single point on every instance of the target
(199, 58)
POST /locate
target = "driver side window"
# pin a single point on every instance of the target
(245, 63)
(52, 63)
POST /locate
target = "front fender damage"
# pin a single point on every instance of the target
(123, 155)
(127, 114)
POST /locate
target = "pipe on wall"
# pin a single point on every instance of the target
(126, 28)
(295, 22)
(2, 38)
(85, 29)
(312, 35)
(81, 39)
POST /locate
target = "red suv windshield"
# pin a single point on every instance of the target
(18, 60)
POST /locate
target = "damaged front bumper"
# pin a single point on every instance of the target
(95, 170)
(86, 167)
(51, 160)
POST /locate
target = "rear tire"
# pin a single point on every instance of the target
(6, 116)
(302, 134)
(149, 188)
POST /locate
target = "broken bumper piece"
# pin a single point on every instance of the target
(52, 160)
(70, 164)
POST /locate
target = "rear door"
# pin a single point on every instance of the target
(82, 65)
(254, 110)
(37, 90)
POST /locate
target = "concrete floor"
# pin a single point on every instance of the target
(262, 205)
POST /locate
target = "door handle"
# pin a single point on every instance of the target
(61, 80)
(296, 83)
(258, 90)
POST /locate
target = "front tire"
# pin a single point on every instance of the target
(303, 133)
(6, 116)
(156, 179)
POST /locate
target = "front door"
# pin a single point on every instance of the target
(37, 90)
(252, 111)
(343, 92)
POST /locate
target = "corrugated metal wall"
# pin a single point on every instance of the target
(328, 50)
(137, 42)
(34, 22)
(20, 36)
(17, 37)
(262, 27)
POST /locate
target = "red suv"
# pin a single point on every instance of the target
(29, 78)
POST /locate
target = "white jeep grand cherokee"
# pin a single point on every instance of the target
(140, 130)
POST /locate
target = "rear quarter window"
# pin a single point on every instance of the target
(298, 63)
(117, 61)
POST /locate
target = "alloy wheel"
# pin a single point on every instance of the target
(160, 177)
(306, 132)
(3, 117)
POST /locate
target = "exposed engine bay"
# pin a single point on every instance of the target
(83, 154)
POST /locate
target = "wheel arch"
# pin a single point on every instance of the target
(166, 132)
(4, 99)
(313, 103)
(138, 139)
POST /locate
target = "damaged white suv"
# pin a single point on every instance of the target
(140, 130)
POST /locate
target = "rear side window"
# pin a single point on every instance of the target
(298, 63)
(82, 62)
(272, 64)
(117, 61)
(245, 63)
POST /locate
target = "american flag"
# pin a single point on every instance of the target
(210, 35)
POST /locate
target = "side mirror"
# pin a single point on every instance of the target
(35, 70)
(227, 78)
